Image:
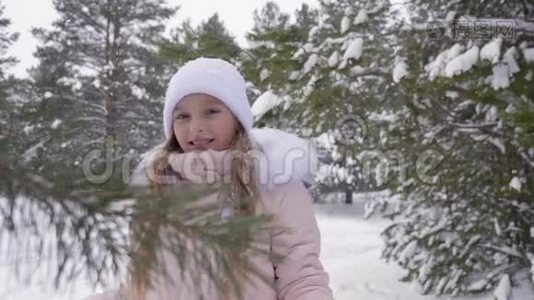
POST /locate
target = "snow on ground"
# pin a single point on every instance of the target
(351, 248)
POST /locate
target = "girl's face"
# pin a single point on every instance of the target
(202, 122)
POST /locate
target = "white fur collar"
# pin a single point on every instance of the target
(281, 157)
(286, 157)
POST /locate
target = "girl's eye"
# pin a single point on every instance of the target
(212, 111)
(180, 117)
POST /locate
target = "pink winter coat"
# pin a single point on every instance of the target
(299, 276)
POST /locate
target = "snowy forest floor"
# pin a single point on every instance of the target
(351, 247)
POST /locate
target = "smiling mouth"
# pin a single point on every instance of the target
(201, 142)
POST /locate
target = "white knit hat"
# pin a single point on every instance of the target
(212, 76)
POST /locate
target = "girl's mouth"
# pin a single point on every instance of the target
(201, 142)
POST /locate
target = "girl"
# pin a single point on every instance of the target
(207, 111)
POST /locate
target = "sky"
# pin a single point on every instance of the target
(236, 15)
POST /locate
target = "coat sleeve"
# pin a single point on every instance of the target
(296, 238)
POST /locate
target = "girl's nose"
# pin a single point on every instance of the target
(196, 125)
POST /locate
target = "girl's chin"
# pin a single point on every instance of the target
(210, 146)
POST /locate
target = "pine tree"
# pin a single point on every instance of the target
(102, 54)
(11, 124)
(209, 39)
(341, 90)
(465, 222)
(96, 93)
(267, 62)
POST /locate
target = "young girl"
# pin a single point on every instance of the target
(207, 111)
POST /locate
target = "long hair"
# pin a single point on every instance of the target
(241, 192)
(243, 186)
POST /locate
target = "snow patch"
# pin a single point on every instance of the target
(515, 184)
(501, 76)
(462, 63)
(345, 24)
(264, 74)
(400, 71)
(529, 54)
(509, 59)
(491, 51)
(528, 76)
(361, 17)
(504, 288)
(310, 63)
(455, 50)
(313, 31)
(435, 68)
(334, 59)
(297, 54)
(408, 252)
(265, 102)
(354, 50)
(478, 285)
(56, 124)
(294, 75)
(450, 16)
(308, 47)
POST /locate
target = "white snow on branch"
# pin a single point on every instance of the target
(408, 251)
(310, 63)
(264, 104)
(462, 63)
(450, 16)
(509, 59)
(515, 184)
(313, 32)
(264, 74)
(32, 151)
(334, 59)
(56, 124)
(400, 70)
(478, 285)
(501, 76)
(345, 24)
(298, 53)
(529, 54)
(435, 68)
(354, 50)
(504, 288)
(361, 17)
(294, 75)
(491, 51)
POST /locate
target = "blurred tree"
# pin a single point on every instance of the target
(340, 90)
(209, 39)
(267, 62)
(98, 71)
(65, 140)
(465, 222)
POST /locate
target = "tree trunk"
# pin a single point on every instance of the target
(348, 196)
